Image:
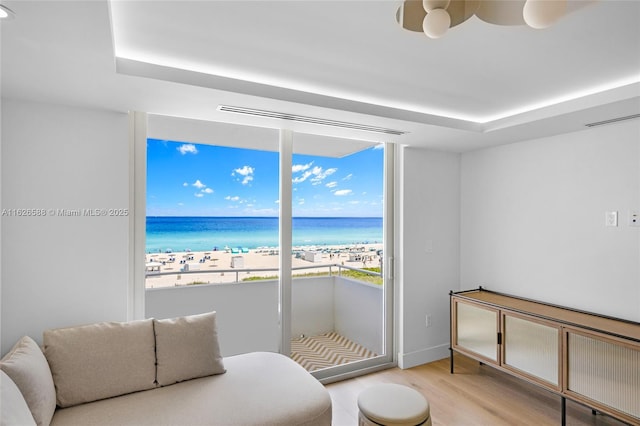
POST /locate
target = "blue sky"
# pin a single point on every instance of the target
(185, 179)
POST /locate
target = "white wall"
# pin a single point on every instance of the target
(246, 313)
(533, 216)
(428, 261)
(359, 313)
(59, 271)
(312, 306)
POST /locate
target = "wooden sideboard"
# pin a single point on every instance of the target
(589, 358)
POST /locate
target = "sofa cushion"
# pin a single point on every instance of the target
(258, 389)
(187, 348)
(13, 408)
(28, 369)
(101, 360)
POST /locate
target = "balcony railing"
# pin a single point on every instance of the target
(247, 311)
(237, 271)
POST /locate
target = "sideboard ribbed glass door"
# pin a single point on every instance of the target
(532, 347)
(477, 330)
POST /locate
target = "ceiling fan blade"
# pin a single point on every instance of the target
(461, 10)
(501, 12)
(410, 15)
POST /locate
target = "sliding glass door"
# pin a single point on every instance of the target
(339, 302)
(289, 244)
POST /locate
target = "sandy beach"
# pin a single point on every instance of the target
(229, 265)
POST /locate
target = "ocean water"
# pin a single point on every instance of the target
(208, 233)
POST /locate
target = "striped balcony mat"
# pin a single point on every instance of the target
(326, 350)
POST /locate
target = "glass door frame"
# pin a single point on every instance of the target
(137, 203)
(356, 368)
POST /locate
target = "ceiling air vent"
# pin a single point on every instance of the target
(311, 120)
(612, 120)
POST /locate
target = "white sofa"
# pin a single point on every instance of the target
(153, 372)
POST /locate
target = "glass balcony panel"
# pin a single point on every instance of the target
(337, 319)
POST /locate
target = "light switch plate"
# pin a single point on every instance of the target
(611, 218)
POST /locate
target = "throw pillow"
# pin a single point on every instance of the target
(101, 360)
(13, 408)
(28, 369)
(186, 348)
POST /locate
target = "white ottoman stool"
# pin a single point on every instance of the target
(393, 405)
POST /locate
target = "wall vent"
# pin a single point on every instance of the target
(612, 120)
(311, 120)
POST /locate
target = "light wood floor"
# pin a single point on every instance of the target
(474, 395)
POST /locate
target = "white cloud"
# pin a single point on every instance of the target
(332, 184)
(185, 184)
(297, 168)
(208, 191)
(199, 194)
(347, 177)
(277, 201)
(320, 175)
(199, 184)
(301, 201)
(342, 192)
(379, 146)
(181, 204)
(230, 198)
(302, 178)
(187, 148)
(246, 171)
(317, 174)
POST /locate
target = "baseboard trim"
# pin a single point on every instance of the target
(423, 356)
